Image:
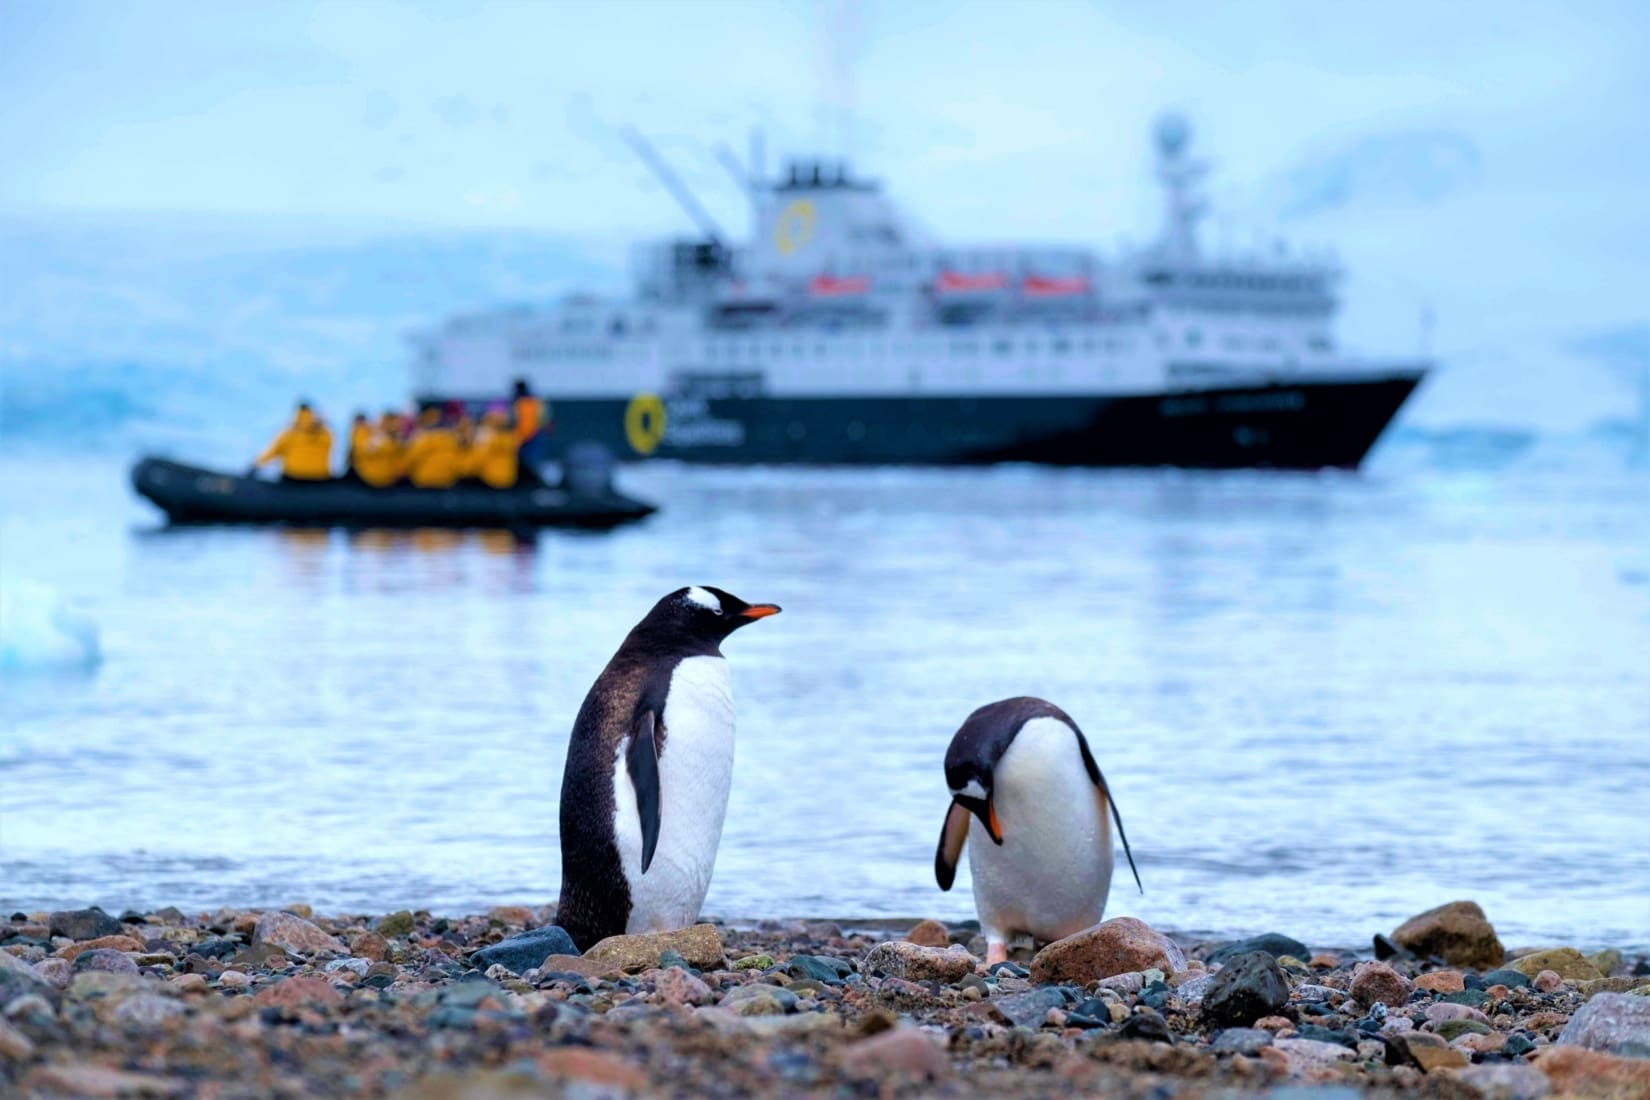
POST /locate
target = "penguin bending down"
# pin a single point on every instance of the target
(648, 771)
(1023, 768)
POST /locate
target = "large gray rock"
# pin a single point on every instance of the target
(523, 952)
(1505, 1081)
(83, 924)
(1246, 988)
(1616, 1023)
(1275, 944)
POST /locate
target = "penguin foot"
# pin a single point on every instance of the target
(995, 952)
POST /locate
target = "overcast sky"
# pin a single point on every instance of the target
(1488, 159)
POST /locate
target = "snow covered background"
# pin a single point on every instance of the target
(206, 214)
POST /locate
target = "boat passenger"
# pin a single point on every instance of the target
(380, 460)
(360, 431)
(532, 423)
(432, 457)
(304, 448)
(495, 450)
(464, 431)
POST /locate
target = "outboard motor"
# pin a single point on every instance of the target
(587, 470)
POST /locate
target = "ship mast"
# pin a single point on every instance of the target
(1180, 174)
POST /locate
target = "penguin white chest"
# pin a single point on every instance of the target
(1050, 876)
(695, 775)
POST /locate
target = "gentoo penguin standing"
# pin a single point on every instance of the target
(648, 770)
(1023, 768)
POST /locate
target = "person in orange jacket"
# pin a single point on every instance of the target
(532, 418)
(304, 448)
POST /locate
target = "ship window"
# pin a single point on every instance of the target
(1002, 347)
(1062, 345)
(1194, 338)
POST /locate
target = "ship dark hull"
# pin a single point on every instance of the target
(192, 495)
(1300, 426)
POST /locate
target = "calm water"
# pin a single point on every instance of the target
(1324, 703)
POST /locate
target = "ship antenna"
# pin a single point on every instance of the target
(1179, 173)
(673, 183)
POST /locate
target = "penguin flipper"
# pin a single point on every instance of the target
(642, 762)
(952, 835)
(1103, 793)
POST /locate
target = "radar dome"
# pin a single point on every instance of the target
(1173, 132)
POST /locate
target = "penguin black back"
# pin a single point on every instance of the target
(627, 703)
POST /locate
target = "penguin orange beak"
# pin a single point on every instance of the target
(760, 610)
(986, 810)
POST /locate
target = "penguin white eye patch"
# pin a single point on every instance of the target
(703, 599)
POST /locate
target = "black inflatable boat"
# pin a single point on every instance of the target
(191, 494)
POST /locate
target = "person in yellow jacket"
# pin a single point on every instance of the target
(381, 459)
(464, 431)
(304, 448)
(360, 433)
(432, 458)
(495, 450)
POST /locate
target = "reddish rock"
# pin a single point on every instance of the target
(1118, 946)
(1458, 933)
(904, 1050)
(99, 1081)
(592, 1067)
(112, 943)
(1548, 981)
(1441, 981)
(296, 992)
(294, 934)
(370, 946)
(929, 933)
(101, 958)
(678, 987)
(513, 915)
(1574, 1071)
(1273, 1024)
(1376, 982)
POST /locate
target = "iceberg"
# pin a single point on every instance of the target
(38, 631)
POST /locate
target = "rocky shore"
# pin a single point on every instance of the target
(285, 1003)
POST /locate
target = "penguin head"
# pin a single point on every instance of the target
(705, 614)
(970, 783)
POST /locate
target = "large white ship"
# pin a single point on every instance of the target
(842, 333)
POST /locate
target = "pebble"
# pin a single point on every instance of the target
(1548, 981)
(678, 987)
(913, 962)
(1273, 943)
(1028, 1009)
(234, 979)
(1566, 962)
(1441, 981)
(1576, 1071)
(294, 934)
(102, 958)
(399, 924)
(1616, 1023)
(1505, 1081)
(819, 968)
(1457, 932)
(758, 999)
(83, 924)
(1116, 946)
(1247, 988)
(903, 1051)
(754, 962)
(1442, 1011)
(930, 933)
(1241, 1040)
(1512, 979)
(523, 952)
(699, 945)
(1376, 982)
